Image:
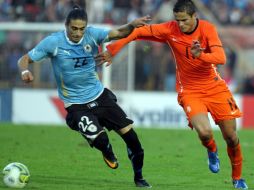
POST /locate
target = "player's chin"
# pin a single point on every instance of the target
(76, 39)
(184, 30)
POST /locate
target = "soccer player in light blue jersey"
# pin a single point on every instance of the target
(89, 105)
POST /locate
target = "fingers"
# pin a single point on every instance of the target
(99, 63)
(196, 46)
(141, 21)
(102, 58)
(145, 19)
(27, 77)
(108, 63)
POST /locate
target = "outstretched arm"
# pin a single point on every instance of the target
(125, 30)
(114, 48)
(155, 32)
(23, 64)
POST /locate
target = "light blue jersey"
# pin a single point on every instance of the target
(73, 64)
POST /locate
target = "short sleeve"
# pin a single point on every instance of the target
(43, 49)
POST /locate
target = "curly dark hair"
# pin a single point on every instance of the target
(76, 13)
(185, 6)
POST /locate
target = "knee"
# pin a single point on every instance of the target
(205, 134)
(132, 141)
(125, 130)
(231, 140)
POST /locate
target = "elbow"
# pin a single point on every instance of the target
(223, 60)
(20, 61)
(221, 57)
(123, 34)
(119, 36)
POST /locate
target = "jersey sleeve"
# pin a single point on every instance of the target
(44, 49)
(154, 32)
(216, 54)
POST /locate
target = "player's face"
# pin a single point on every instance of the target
(75, 30)
(186, 22)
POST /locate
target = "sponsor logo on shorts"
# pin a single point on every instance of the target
(188, 109)
(233, 112)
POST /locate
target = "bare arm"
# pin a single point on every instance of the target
(125, 30)
(141, 33)
(23, 64)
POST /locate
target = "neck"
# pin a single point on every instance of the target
(195, 25)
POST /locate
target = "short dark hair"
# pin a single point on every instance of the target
(76, 13)
(185, 6)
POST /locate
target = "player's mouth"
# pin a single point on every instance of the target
(183, 28)
(75, 38)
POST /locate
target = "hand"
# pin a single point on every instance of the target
(27, 76)
(196, 49)
(104, 57)
(140, 21)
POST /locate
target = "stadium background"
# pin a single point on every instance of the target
(141, 73)
(143, 78)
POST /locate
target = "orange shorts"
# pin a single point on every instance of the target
(221, 105)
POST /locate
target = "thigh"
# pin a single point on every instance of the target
(201, 123)
(110, 114)
(85, 122)
(192, 107)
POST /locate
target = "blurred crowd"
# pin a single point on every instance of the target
(233, 12)
(99, 11)
(120, 11)
(154, 65)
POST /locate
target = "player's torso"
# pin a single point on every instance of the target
(192, 73)
(74, 69)
(75, 59)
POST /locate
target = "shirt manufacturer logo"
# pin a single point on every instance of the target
(67, 52)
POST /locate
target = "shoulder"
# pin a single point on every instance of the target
(54, 38)
(165, 27)
(206, 24)
(93, 29)
(168, 24)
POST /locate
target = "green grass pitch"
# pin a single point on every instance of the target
(60, 159)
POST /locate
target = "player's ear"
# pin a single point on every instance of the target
(194, 15)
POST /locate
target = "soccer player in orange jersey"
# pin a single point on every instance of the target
(197, 50)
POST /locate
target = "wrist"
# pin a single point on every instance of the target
(24, 71)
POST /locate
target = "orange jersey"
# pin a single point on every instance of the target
(192, 74)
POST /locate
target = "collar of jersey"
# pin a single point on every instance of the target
(70, 42)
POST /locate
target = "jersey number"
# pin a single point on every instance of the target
(85, 124)
(79, 62)
(232, 104)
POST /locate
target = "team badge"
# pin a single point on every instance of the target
(87, 48)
